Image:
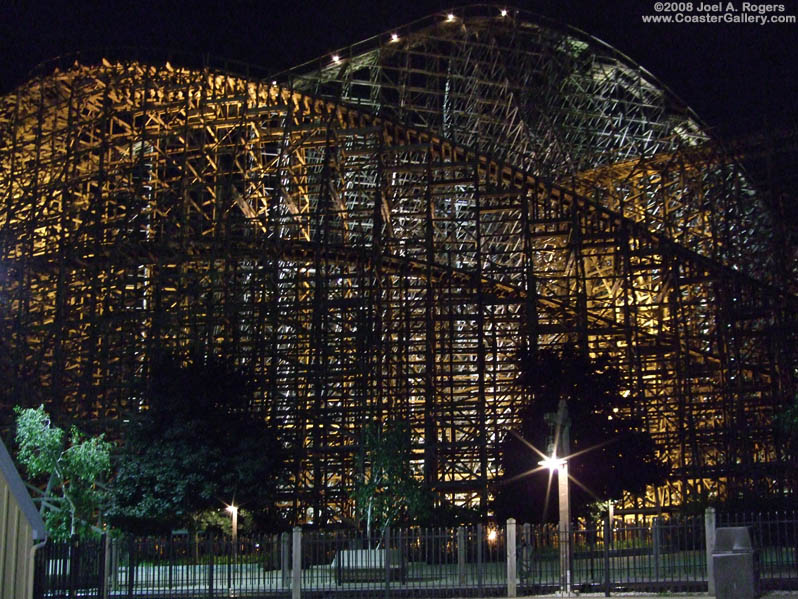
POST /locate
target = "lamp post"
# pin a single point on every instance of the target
(561, 444)
(564, 502)
(233, 509)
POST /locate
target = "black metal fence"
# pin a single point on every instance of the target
(70, 569)
(436, 561)
(775, 540)
(666, 554)
(659, 555)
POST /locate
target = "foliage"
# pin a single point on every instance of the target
(195, 447)
(386, 490)
(70, 468)
(786, 433)
(447, 514)
(219, 521)
(611, 448)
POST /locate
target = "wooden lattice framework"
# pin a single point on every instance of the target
(380, 234)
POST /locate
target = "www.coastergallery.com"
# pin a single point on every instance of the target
(721, 18)
(718, 12)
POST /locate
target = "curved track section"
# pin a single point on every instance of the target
(563, 105)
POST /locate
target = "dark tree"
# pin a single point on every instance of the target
(785, 494)
(385, 489)
(197, 445)
(612, 451)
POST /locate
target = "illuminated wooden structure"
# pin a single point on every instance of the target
(379, 233)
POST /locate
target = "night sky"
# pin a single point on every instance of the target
(739, 78)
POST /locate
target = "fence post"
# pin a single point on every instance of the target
(285, 558)
(113, 561)
(102, 578)
(526, 574)
(607, 542)
(479, 555)
(74, 564)
(171, 560)
(709, 534)
(461, 555)
(512, 562)
(296, 563)
(228, 553)
(403, 551)
(387, 560)
(275, 552)
(131, 566)
(655, 532)
(210, 564)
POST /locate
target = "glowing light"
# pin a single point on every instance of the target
(336, 58)
(503, 12)
(450, 17)
(492, 535)
(552, 463)
(274, 83)
(232, 508)
(394, 37)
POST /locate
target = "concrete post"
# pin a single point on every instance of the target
(511, 558)
(114, 564)
(709, 532)
(461, 555)
(566, 551)
(296, 562)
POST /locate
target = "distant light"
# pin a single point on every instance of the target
(552, 463)
(232, 508)
(450, 17)
(492, 535)
(336, 58)
(394, 37)
(274, 83)
(503, 12)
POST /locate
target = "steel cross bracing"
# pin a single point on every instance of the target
(357, 268)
